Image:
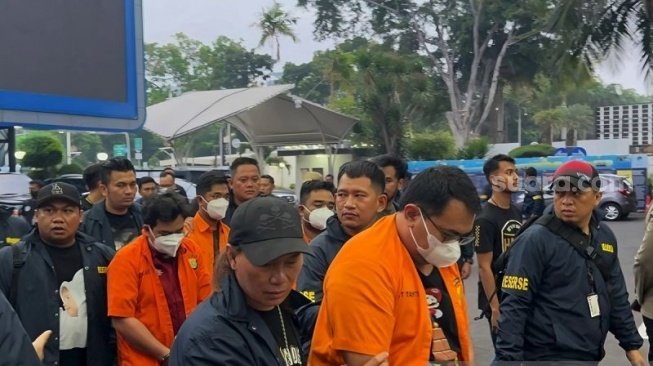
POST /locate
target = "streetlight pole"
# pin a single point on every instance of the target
(69, 155)
(519, 125)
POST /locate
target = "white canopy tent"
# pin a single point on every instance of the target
(267, 116)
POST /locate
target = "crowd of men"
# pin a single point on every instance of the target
(367, 270)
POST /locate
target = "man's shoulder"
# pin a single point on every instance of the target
(130, 251)
(191, 245)
(106, 251)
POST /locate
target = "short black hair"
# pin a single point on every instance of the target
(169, 169)
(531, 172)
(92, 176)
(401, 168)
(268, 177)
(207, 180)
(115, 165)
(38, 182)
(165, 207)
(312, 186)
(492, 164)
(144, 180)
(166, 173)
(329, 175)
(364, 169)
(242, 161)
(433, 188)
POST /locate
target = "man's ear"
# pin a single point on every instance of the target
(599, 196)
(104, 189)
(400, 184)
(411, 213)
(382, 202)
(231, 256)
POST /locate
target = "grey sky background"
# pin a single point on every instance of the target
(205, 20)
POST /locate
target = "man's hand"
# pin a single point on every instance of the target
(495, 321)
(39, 343)
(466, 270)
(635, 358)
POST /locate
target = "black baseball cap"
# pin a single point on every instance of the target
(576, 173)
(266, 228)
(58, 191)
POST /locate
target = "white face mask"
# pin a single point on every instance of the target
(217, 208)
(438, 254)
(168, 244)
(318, 217)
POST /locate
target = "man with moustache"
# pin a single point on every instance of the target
(245, 175)
(117, 220)
(53, 256)
(360, 198)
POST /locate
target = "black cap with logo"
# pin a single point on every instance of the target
(58, 191)
(266, 228)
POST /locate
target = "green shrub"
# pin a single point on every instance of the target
(532, 151)
(71, 169)
(475, 148)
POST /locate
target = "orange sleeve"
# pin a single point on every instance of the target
(360, 306)
(204, 283)
(122, 285)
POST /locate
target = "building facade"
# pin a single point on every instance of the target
(632, 122)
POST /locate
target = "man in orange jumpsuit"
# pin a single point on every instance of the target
(396, 287)
(155, 283)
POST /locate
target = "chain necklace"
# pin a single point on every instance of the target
(283, 329)
(498, 205)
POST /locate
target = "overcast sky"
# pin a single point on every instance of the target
(205, 20)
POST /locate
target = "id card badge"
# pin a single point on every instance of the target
(593, 302)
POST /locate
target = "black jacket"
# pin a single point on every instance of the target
(37, 303)
(15, 346)
(545, 313)
(325, 247)
(533, 204)
(12, 228)
(224, 330)
(96, 223)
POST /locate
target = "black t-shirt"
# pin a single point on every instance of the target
(494, 231)
(291, 354)
(124, 228)
(73, 319)
(441, 307)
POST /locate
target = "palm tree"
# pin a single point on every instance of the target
(591, 30)
(275, 23)
(576, 118)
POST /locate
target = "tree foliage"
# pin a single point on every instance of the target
(593, 30)
(466, 42)
(438, 145)
(42, 150)
(190, 65)
(274, 23)
(475, 148)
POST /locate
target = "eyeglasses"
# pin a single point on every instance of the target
(446, 236)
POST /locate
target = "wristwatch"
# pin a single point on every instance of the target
(468, 260)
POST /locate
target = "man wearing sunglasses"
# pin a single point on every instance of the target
(396, 287)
